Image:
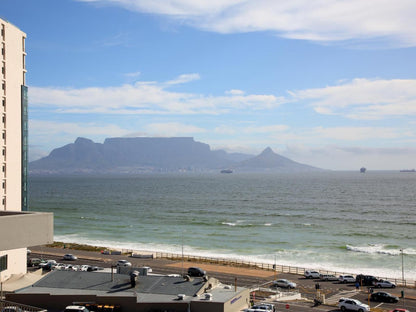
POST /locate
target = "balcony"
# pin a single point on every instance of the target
(20, 229)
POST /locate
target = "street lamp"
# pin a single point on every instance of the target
(403, 282)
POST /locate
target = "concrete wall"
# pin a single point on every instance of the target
(19, 230)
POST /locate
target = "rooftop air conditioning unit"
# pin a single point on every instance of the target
(181, 296)
(208, 296)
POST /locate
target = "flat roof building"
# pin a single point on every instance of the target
(148, 293)
(18, 228)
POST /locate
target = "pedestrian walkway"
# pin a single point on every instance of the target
(333, 300)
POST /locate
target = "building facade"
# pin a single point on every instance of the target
(14, 153)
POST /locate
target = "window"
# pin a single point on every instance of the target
(3, 34)
(23, 44)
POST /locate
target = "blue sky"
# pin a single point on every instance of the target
(328, 83)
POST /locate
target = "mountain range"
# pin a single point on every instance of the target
(151, 155)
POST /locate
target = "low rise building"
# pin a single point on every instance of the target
(143, 293)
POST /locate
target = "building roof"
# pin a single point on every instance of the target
(100, 283)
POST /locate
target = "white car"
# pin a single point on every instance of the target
(84, 268)
(311, 274)
(352, 305)
(285, 283)
(384, 284)
(149, 269)
(328, 277)
(123, 263)
(346, 279)
(75, 308)
(60, 266)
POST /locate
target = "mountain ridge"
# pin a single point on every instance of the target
(152, 155)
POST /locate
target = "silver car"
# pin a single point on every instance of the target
(285, 283)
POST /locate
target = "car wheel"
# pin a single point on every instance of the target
(360, 310)
(393, 286)
(378, 286)
(343, 309)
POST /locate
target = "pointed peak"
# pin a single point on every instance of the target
(268, 150)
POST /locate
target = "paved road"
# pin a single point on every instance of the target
(247, 277)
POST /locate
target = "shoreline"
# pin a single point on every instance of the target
(107, 250)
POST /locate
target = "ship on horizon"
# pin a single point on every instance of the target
(408, 170)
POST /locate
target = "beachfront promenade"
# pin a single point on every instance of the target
(274, 268)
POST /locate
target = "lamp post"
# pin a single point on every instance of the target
(403, 282)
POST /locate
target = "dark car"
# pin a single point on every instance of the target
(366, 280)
(194, 271)
(383, 296)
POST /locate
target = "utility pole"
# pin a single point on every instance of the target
(403, 282)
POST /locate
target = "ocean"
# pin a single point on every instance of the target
(338, 221)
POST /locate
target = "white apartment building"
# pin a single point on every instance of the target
(18, 227)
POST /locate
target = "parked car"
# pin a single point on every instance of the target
(76, 308)
(383, 296)
(261, 307)
(311, 274)
(346, 279)
(123, 263)
(285, 283)
(149, 269)
(33, 262)
(399, 310)
(194, 271)
(60, 266)
(70, 257)
(48, 265)
(384, 284)
(353, 305)
(84, 268)
(328, 277)
(366, 280)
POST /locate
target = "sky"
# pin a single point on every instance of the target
(328, 83)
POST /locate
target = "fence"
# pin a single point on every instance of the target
(266, 266)
(9, 306)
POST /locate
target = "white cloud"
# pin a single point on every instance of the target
(172, 129)
(235, 92)
(133, 74)
(184, 79)
(364, 98)
(358, 133)
(388, 22)
(149, 98)
(271, 129)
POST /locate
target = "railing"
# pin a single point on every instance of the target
(267, 266)
(9, 306)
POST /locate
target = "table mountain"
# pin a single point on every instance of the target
(139, 155)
